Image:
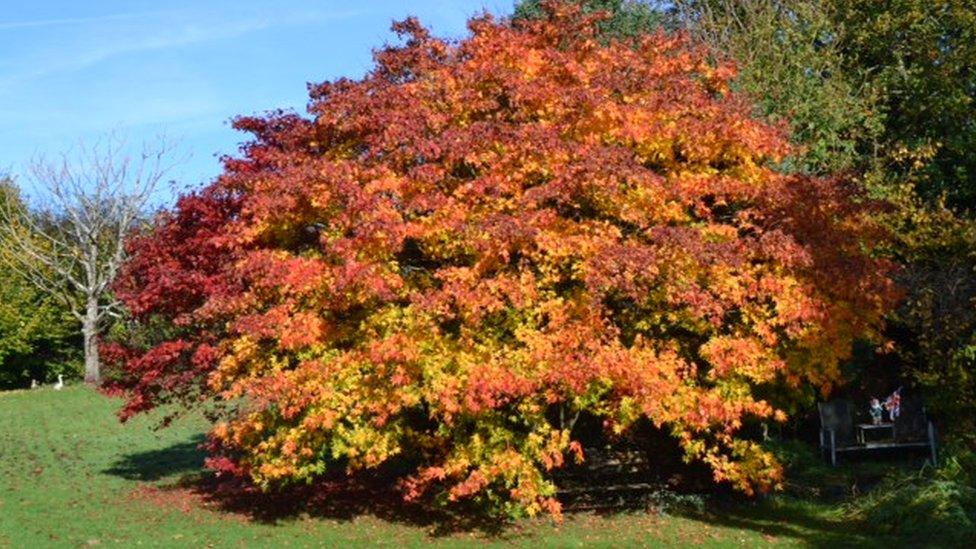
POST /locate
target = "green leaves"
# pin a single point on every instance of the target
(36, 331)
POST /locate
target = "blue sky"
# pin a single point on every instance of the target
(73, 70)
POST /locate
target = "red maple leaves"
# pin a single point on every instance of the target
(480, 231)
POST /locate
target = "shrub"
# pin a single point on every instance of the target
(931, 509)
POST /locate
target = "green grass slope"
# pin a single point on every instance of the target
(71, 475)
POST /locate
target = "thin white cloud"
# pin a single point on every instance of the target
(165, 35)
(72, 20)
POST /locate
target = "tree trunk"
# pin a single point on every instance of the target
(89, 329)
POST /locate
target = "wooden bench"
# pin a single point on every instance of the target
(911, 429)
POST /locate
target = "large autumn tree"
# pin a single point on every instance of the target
(453, 258)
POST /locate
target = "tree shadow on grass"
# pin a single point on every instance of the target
(787, 517)
(181, 458)
(181, 468)
(345, 499)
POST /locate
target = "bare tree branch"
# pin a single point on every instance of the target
(70, 242)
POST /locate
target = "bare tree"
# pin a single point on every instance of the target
(71, 241)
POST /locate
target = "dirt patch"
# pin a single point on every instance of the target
(180, 498)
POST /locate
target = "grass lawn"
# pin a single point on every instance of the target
(71, 474)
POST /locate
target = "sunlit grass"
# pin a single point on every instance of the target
(71, 474)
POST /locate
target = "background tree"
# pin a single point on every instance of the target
(791, 64)
(625, 18)
(480, 241)
(71, 244)
(36, 331)
(936, 324)
(877, 85)
(920, 58)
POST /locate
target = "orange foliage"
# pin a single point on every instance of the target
(479, 233)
